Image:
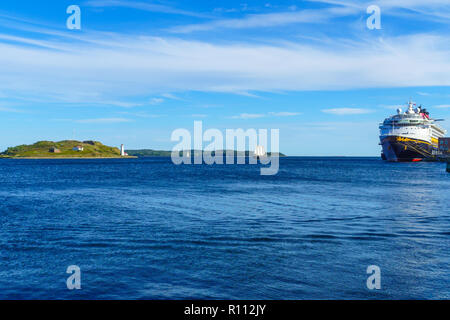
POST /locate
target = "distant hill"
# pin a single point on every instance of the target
(148, 153)
(62, 149)
(160, 153)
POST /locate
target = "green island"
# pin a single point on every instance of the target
(63, 150)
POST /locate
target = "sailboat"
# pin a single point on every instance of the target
(260, 152)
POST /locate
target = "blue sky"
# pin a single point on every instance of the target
(137, 70)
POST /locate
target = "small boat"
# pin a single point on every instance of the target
(260, 152)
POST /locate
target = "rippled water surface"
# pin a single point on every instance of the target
(147, 229)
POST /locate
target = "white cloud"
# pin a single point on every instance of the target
(262, 115)
(412, 4)
(284, 114)
(225, 10)
(199, 115)
(249, 116)
(152, 7)
(442, 106)
(414, 10)
(387, 5)
(104, 120)
(155, 101)
(170, 96)
(393, 107)
(119, 104)
(6, 109)
(141, 114)
(347, 111)
(439, 10)
(114, 68)
(268, 20)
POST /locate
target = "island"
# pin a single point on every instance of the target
(66, 149)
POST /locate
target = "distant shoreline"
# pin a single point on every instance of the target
(193, 152)
(68, 158)
(136, 157)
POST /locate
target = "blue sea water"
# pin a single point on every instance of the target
(148, 229)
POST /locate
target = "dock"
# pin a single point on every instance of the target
(443, 152)
(443, 158)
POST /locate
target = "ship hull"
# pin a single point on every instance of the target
(401, 149)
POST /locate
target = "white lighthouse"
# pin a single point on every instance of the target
(122, 150)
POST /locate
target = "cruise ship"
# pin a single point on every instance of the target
(410, 136)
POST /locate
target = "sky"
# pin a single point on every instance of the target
(138, 70)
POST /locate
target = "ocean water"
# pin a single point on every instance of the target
(147, 229)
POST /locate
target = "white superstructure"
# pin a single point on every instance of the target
(414, 124)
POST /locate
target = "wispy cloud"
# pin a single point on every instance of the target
(199, 115)
(139, 5)
(6, 109)
(392, 107)
(155, 101)
(249, 116)
(104, 120)
(268, 20)
(262, 115)
(347, 111)
(170, 96)
(140, 114)
(284, 114)
(442, 106)
(405, 4)
(122, 104)
(101, 69)
(439, 10)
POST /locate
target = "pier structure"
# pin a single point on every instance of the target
(442, 153)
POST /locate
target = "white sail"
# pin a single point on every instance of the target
(260, 151)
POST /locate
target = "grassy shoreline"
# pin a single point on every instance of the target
(66, 149)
